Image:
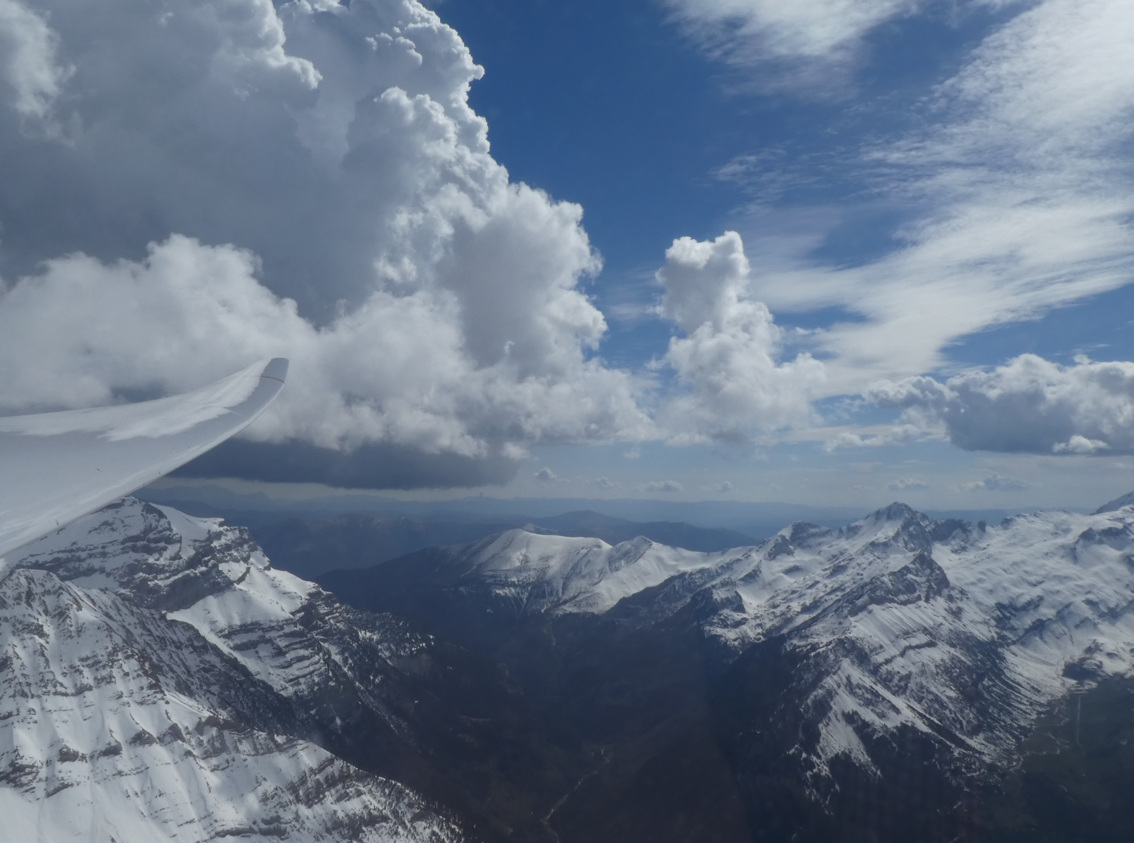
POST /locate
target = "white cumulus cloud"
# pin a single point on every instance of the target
(1027, 405)
(727, 354)
(231, 181)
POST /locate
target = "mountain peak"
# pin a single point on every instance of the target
(897, 511)
(1116, 504)
(897, 524)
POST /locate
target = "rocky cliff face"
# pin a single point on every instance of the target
(162, 682)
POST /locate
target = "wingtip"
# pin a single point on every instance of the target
(276, 369)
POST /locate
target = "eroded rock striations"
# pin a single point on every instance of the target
(160, 681)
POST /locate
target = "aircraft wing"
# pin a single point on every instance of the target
(56, 467)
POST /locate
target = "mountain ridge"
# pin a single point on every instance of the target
(962, 633)
(550, 688)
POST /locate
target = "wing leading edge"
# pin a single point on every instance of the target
(56, 467)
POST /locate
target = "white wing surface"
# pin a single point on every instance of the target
(56, 467)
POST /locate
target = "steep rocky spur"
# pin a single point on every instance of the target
(158, 684)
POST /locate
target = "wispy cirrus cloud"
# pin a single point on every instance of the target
(1028, 199)
(794, 45)
(1016, 196)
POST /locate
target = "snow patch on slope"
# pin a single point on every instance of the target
(557, 573)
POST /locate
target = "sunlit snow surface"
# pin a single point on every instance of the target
(128, 647)
(963, 632)
(541, 572)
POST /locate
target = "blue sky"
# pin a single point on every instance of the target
(819, 252)
(787, 161)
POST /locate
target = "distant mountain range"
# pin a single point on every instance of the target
(754, 519)
(885, 680)
(898, 678)
(309, 546)
(315, 535)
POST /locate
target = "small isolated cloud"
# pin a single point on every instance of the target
(669, 486)
(546, 475)
(845, 439)
(908, 485)
(731, 384)
(895, 435)
(605, 483)
(724, 488)
(1080, 445)
(29, 68)
(996, 483)
(1027, 405)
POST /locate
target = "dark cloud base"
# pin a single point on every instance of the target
(380, 466)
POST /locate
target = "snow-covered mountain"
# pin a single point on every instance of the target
(963, 634)
(160, 681)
